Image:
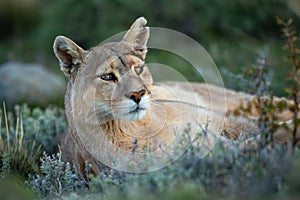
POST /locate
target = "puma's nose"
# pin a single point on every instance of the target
(136, 96)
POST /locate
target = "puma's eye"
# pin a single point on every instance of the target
(109, 77)
(138, 69)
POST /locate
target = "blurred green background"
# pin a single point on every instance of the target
(234, 32)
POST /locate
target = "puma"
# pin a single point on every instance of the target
(111, 93)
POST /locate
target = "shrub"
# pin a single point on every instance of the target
(57, 178)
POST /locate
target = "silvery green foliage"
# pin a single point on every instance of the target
(224, 171)
(229, 171)
(57, 178)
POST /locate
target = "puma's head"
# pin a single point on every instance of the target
(111, 79)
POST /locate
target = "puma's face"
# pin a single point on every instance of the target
(113, 75)
(122, 80)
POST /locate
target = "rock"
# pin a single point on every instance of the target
(30, 83)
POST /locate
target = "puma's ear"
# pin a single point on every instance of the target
(69, 54)
(138, 36)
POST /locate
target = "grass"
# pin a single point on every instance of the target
(17, 154)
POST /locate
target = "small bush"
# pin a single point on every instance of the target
(57, 178)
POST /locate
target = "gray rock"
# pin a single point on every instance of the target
(30, 83)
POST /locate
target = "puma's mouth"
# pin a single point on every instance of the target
(136, 114)
(137, 109)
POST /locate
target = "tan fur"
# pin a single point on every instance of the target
(88, 95)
